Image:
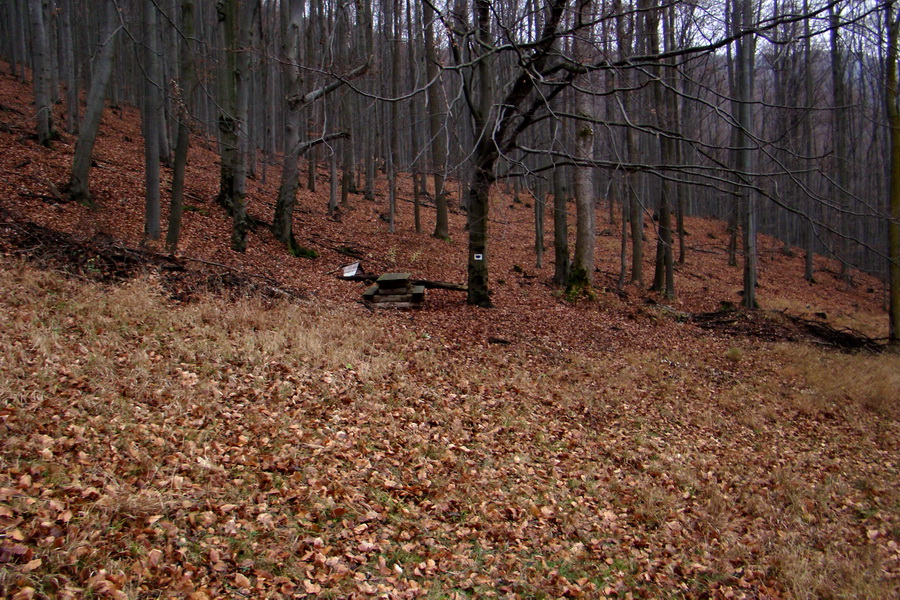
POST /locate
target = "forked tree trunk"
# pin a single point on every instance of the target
(79, 182)
(188, 77)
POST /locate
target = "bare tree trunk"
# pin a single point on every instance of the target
(40, 53)
(188, 76)
(744, 119)
(892, 98)
(71, 72)
(227, 101)
(539, 204)
(79, 187)
(346, 151)
(809, 229)
(346, 115)
(233, 100)
(562, 264)
(436, 113)
(582, 275)
(52, 28)
(333, 186)
(291, 19)
(167, 57)
(623, 244)
(151, 124)
(394, 141)
(413, 59)
(22, 28)
(839, 125)
(371, 137)
(629, 195)
(663, 278)
(484, 159)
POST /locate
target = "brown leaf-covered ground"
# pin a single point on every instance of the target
(216, 424)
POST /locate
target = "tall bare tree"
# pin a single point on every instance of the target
(437, 110)
(892, 99)
(40, 55)
(151, 113)
(582, 275)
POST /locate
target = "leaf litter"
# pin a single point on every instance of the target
(297, 445)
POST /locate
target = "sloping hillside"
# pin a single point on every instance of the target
(218, 424)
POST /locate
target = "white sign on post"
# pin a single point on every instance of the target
(479, 257)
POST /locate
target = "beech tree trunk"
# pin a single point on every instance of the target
(893, 110)
(539, 204)
(839, 127)
(40, 54)
(663, 277)
(562, 263)
(437, 110)
(484, 159)
(151, 111)
(291, 19)
(71, 72)
(629, 180)
(582, 274)
(746, 48)
(233, 98)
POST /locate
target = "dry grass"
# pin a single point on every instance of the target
(243, 432)
(830, 380)
(872, 324)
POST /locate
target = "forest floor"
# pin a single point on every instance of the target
(215, 424)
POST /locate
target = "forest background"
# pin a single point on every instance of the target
(619, 440)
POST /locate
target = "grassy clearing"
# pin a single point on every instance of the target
(224, 449)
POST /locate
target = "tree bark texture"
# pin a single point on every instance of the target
(582, 274)
(893, 110)
(40, 54)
